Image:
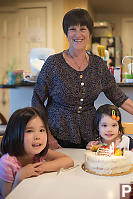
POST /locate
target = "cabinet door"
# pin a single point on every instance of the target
(8, 44)
(8, 40)
(32, 33)
(20, 31)
(127, 36)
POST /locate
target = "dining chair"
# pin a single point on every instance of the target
(3, 120)
(0, 144)
(128, 127)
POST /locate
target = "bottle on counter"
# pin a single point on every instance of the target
(11, 78)
(111, 68)
(117, 74)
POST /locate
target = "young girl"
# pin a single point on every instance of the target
(25, 150)
(108, 128)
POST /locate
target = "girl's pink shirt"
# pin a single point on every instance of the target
(9, 166)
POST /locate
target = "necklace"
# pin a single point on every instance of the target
(76, 64)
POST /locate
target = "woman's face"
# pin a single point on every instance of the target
(35, 136)
(108, 129)
(78, 37)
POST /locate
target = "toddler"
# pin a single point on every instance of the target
(25, 150)
(108, 128)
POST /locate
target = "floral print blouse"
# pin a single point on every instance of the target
(71, 95)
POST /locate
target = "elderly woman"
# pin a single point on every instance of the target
(71, 81)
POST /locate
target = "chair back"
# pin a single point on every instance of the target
(3, 120)
(128, 127)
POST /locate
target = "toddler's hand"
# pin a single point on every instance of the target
(91, 143)
(117, 141)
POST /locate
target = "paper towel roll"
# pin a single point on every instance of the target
(129, 68)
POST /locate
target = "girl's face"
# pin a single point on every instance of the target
(108, 129)
(35, 136)
(78, 36)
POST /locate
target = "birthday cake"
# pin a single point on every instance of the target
(103, 162)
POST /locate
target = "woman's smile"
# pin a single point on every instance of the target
(78, 35)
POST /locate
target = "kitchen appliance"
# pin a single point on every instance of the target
(37, 58)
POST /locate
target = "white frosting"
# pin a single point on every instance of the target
(107, 164)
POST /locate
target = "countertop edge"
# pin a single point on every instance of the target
(31, 84)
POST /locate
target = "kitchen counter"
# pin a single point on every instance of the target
(21, 95)
(125, 84)
(22, 84)
(25, 84)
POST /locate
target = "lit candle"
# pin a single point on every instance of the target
(112, 148)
